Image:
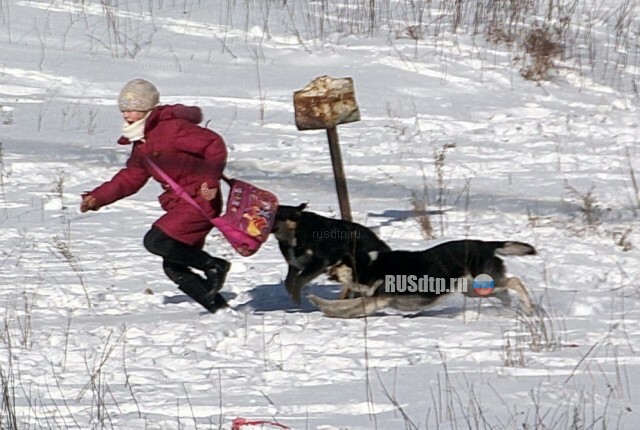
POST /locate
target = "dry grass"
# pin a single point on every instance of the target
(542, 49)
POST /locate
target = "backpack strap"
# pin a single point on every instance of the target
(177, 188)
(227, 179)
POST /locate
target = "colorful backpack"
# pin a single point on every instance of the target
(249, 216)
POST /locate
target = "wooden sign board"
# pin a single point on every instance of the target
(325, 103)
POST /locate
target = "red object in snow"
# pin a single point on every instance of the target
(238, 423)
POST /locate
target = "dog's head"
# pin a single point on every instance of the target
(342, 272)
(287, 218)
(291, 213)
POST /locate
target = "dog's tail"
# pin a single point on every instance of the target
(515, 248)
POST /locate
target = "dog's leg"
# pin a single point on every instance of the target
(350, 288)
(365, 290)
(345, 292)
(516, 285)
(291, 281)
(354, 289)
(350, 308)
(315, 268)
(344, 275)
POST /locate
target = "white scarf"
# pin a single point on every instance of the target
(135, 131)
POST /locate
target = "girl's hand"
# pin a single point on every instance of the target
(208, 193)
(89, 203)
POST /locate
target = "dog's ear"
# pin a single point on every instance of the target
(296, 212)
(290, 213)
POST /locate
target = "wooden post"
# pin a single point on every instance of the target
(338, 173)
(325, 103)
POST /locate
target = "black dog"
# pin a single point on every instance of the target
(311, 244)
(383, 280)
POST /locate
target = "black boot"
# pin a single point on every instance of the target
(211, 302)
(179, 257)
(195, 287)
(216, 273)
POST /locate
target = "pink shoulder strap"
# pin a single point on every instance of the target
(177, 188)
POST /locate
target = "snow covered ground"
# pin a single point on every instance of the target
(95, 336)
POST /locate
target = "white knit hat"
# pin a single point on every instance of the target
(138, 95)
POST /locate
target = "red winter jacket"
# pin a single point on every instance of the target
(189, 154)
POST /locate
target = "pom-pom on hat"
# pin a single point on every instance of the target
(138, 95)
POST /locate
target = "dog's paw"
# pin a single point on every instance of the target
(294, 291)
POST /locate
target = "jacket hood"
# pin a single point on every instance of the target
(192, 114)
